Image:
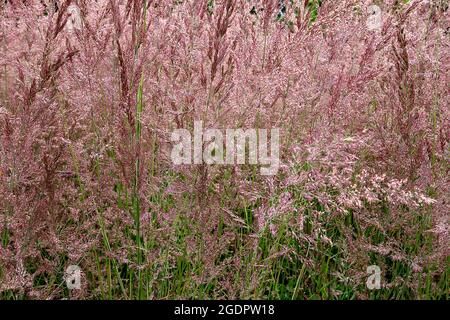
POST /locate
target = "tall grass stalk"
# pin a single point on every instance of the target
(138, 132)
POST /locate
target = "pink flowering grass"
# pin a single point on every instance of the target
(90, 92)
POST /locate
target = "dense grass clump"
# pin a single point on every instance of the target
(92, 91)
